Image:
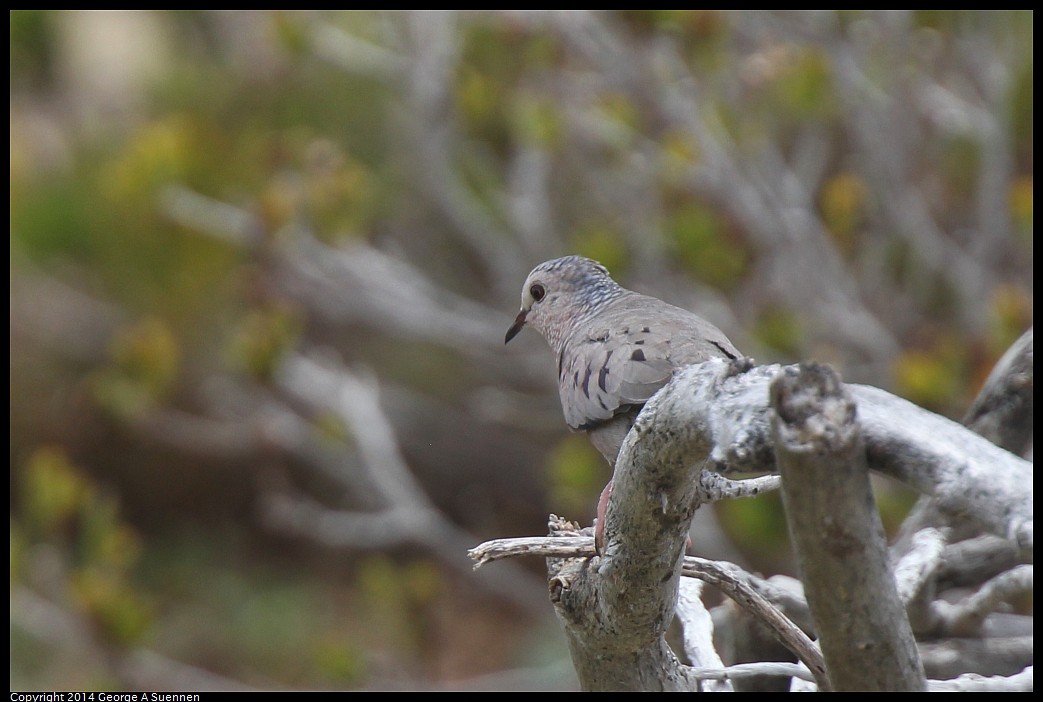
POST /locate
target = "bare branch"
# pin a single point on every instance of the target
(973, 561)
(966, 617)
(916, 577)
(719, 410)
(354, 54)
(716, 487)
(697, 627)
(722, 576)
(967, 474)
(1019, 682)
(361, 284)
(847, 579)
(753, 670)
(545, 547)
(743, 588)
(949, 658)
(405, 513)
(51, 312)
(215, 218)
(919, 565)
(1002, 412)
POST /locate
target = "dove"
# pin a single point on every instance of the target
(615, 348)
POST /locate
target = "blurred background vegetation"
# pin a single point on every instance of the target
(262, 264)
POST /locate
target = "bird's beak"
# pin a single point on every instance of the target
(519, 322)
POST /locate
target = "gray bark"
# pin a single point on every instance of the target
(865, 635)
(616, 607)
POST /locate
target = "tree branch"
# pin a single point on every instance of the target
(724, 577)
(728, 578)
(965, 618)
(1002, 412)
(616, 608)
(832, 517)
(405, 512)
(697, 628)
(968, 475)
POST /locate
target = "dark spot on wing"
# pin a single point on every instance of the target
(725, 351)
(646, 330)
(640, 342)
(603, 373)
(638, 355)
(586, 383)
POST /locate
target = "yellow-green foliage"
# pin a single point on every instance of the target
(757, 525)
(935, 377)
(262, 339)
(393, 597)
(52, 494)
(61, 512)
(143, 368)
(1021, 205)
(576, 473)
(780, 330)
(705, 244)
(601, 241)
(842, 202)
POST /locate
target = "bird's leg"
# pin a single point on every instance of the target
(599, 529)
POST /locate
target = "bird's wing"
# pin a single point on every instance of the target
(607, 372)
(609, 369)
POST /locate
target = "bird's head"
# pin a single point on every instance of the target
(560, 292)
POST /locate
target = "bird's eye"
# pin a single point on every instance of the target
(537, 292)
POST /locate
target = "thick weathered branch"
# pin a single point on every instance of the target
(1002, 412)
(1004, 655)
(967, 474)
(740, 586)
(616, 608)
(866, 638)
(973, 561)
